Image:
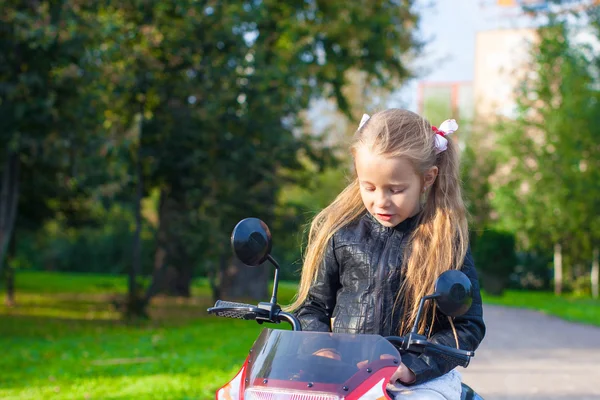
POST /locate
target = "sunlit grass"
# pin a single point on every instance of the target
(570, 308)
(65, 340)
(52, 282)
(148, 361)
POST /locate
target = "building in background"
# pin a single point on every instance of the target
(545, 5)
(502, 61)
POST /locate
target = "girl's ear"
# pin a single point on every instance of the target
(429, 177)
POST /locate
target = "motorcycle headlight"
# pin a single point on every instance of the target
(285, 394)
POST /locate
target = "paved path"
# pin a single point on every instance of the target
(530, 356)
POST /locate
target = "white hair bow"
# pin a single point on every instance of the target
(363, 120)
(446, 128)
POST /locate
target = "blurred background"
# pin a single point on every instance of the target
(136, 134)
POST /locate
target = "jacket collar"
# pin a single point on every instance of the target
(407, 225)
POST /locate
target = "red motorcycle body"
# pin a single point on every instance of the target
(286, 365)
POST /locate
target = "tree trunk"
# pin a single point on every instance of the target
(136, 304)
(178, 280)
(158, 275)
(558, 279)
(595, 273)
(166, 278)
(241, 282)
(10, 286)
(161, 253)
(136, 256)
(214, 277)
(10, 273)
(9, 198)
(180, 283)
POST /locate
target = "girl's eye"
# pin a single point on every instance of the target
(369, 189)
(396, 191)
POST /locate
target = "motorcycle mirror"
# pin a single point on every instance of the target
(453, 293)
(251, 241)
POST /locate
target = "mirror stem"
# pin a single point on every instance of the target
(275, 280)
(415, 327)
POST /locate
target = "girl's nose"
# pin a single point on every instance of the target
(382, 199)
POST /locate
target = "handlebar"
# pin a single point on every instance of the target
(264, 312)
(272, 313)
(418, 344)
(230, 309)
(450, 354)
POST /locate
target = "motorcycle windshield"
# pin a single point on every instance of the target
(298, 363)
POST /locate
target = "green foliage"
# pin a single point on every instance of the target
(475, 173)
(582, 286)
(220, 89)
(108, 102)
(99, 248)
(551, 151)
(494, 254)
(41, 66)
(533, 271)
(298, 204)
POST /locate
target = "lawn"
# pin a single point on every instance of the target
(575, 309)
(64, 340)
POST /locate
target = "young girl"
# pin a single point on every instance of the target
(381, 244)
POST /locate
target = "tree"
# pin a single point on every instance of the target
(552, 152)
(258, 66)
(198, 102)
(306, 51)
(41, 57)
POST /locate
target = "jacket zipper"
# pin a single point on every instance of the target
(383, 279)
(380, 283)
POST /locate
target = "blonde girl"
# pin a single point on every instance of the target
(380, 245)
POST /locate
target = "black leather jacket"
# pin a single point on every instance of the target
(356, 289)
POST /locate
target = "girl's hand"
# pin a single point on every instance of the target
(404, 375)
(328, 353)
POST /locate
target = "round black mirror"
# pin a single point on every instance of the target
(454, 293)
(251, 241)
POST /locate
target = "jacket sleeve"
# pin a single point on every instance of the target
(470, 330)
(316, 311)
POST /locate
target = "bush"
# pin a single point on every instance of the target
(582, 286)
(99, 249)
(495, 257)
(533, 271)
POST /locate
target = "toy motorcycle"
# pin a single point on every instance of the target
(297, 365)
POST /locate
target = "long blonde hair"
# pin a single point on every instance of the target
(440, 240)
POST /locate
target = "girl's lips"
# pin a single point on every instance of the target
(384, 217)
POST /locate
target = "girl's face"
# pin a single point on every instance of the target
(390, 187)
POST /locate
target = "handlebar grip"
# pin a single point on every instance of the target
(451, 355)
(230, 304)
(230, 309)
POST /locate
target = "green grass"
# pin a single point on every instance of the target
(64, 340)
(52, 282)
(570, 308)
